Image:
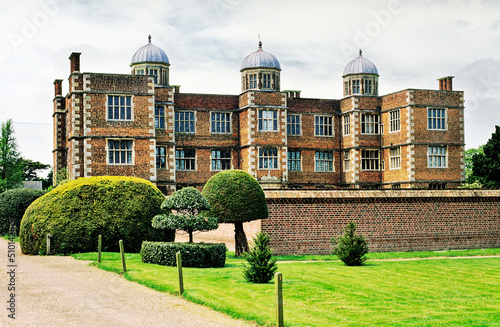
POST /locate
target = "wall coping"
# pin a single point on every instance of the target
(309, 194)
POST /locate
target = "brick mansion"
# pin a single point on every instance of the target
(140, 125)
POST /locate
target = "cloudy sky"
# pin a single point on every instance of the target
(411, 42)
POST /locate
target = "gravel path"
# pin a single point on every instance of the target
(62, 291)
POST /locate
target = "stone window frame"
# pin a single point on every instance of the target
(160, 117)
(154, 73)
(253, 81)
(119, 109)
(191, 122)
(347, 160)
(264, 122)
(218, 160)
(395, 157)
(296, 124)
(356, 86)
(346, 124)
(324, 125)
(437, 122)
(370, 124)
(370, 160)
(395, 121)
(161, 157)
(368, 87)
(223, 124)
(184, 162)
(437, 157)
(294, 160)
(322, 158)
(266, 80)
(125, 152)
(267, 156)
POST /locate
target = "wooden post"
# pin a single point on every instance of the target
(179, 272)
(99, 245)
(49, 236)
(122, 252)
(278, 282)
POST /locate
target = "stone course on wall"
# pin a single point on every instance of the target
(303, 222)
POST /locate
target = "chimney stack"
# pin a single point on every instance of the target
(445, 83)
(75, 62)
(58, 87)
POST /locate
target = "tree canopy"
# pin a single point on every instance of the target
(11, 168)
(486, 166)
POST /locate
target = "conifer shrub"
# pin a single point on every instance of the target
(197, 255)
(351, 248)
(75, 213)
(13, 204)
(261, 266)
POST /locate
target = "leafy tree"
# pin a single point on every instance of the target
(13, 204)
(188, 206)
(486, 166)
(236, 197)
(30, 169)
(351, 248)
(261, 265)
(11, 169)
(47, 181)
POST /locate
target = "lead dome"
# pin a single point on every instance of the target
(260, 58)
(149, 53)
(360, 77)
(260, 70)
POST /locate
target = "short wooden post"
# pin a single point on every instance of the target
(122, 252)
(278, 282)
(99, 245)
(49, 236)
(179, 272)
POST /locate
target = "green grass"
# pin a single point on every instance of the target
(446, 292)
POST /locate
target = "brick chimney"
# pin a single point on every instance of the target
(75, 62)
(445, 83)
(58, 87)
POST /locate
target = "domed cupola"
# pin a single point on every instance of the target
(360, 77)
(151, 60)
(260, 70)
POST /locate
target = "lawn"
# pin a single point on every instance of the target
(444, 292)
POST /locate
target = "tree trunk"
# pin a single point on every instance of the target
(240, 239)
(190, 232)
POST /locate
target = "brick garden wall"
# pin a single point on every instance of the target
(303, 222)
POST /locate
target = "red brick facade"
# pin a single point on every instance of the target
(284, 141)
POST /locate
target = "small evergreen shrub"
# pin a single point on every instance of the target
(199, 255)
(261, 266)
(13, 204)
(77, 212)
(351, 248)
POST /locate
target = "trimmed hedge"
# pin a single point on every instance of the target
(199, 255)
(13, 204)
(78, 211)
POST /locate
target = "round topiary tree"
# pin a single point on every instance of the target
(236, 197)
(189, 208)
(13, 203)
(76, 212)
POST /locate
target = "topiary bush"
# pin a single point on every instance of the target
(189, 215)
(236, 197)
(199, 255)
(76, 212)
(13, 203)
(261, 264)
(351, 248)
